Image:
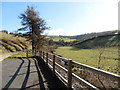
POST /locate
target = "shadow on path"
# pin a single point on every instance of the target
(41, 82)
(27, 76)
(14, 76)
(46, 79)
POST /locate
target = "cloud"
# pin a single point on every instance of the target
(106, 17)
(59, 31)
(49, 20)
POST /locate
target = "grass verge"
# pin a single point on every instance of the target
(21, 54)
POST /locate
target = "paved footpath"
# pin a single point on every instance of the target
(28, 73)
(3, 56)
(19, 73)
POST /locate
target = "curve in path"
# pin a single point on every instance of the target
(3, 56)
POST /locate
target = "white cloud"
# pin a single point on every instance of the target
(49, 20)
(61, 31)
(107, 17)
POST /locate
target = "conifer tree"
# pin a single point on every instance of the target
(33, 27)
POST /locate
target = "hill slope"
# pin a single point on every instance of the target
(101, 41)
(92, 35)
(93, 40)
(11, 43)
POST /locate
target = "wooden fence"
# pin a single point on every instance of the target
(67, 71)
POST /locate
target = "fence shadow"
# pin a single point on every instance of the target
(27, 76)
(41, 82)
(51, 82)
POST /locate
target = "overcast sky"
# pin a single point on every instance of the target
(65, 18)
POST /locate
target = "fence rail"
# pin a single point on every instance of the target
(63, 68)
(101, 72)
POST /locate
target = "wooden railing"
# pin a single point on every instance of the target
(64, 70)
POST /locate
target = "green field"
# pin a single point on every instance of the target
(108, 62)
(57, 38)
(65, 39)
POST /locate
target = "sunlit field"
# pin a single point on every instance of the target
(107, 61)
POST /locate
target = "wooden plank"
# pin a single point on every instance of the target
(50, 66)
(47, 58)
(27, 54)
(65, 59)
(51, 54)
(84, 82)
(64, 69)
(50, 60)
(61, 77)
(53, 65)
(43, 55)
(69, 74)
(99, 72)
(40, 53)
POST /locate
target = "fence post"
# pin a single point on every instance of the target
(43, 55)
(69, 74)
(27, 54)
(39, 53)
(53, 65)
(47, 58)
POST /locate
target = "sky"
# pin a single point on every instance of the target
(65, 18)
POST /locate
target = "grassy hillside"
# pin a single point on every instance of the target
(11, 43)
(108, 59)
(100, 52)
(102, 41)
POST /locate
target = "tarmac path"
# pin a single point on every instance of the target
(28, 73)
(3, 56)
(19, 73)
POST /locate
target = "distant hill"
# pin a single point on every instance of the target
(11, 42)
(91, 35)
(94, 40)
(60, 40)
(77, 39)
